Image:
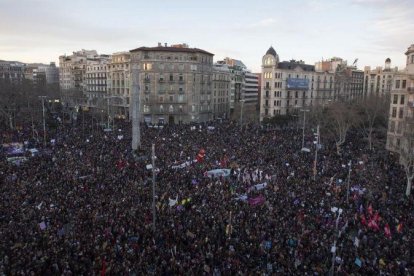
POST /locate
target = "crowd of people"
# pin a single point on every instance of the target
(83, 205)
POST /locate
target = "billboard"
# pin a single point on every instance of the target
(297, 84)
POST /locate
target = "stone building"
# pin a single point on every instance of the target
(175, 83)
(221, 91)
(378, 81)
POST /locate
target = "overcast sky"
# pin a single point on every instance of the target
(370, 30)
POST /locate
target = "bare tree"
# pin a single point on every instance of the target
(371, 112)
(339, 120)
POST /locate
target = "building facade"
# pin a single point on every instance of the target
(378, 81)
(221, 79)
(12, 71)
(95, 81)
(175, 83)
(289, 86)
(119, 84)
(400, 132)
(72, 71)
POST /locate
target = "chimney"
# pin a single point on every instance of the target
(165, 44)
(159, 44)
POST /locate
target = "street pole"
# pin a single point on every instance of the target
(349, 179)
(241, 115)
(108, 112)
(303, 130)
(316, 155)
(44, 122)
(153, 188)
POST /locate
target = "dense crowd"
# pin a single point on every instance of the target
(83, 205)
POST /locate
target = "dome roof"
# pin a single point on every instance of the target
(271, 51)
(388, 60)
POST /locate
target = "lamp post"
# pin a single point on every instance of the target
(333, 250)
(44, 122)
(349, 179)
(304, 123)
(241, 114)
(153, 187)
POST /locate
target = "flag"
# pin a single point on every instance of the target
(363, 220)
(259, 200)
(361, 208)
(223, 162)
(370, 210)
(377, 218)
(373, 225)
(200, 156)
(387, 231)
(399, 228)
(120, 165)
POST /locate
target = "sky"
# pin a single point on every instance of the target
(370, 30)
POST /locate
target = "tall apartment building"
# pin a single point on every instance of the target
(42, 74)
(244, 89)
(95, 80)
(221, 91)
(378, 81)
(175, 83)
(118, 83)
(291, 85)
(50, 71)
(12, 71)
(72, 71)
(400, 135)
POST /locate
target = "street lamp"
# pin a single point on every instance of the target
(241, 114)
(333, 249)
(44, 122)
(304, 122)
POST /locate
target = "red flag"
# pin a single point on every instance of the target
(370, 210)
(377, 218)
(373, 225)
(223, 161)
(387, 231)
(103, 270)
(363, 220)
(200, 156)
(399, 228)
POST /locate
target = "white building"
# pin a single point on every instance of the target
(400, 122)
(291, 85)
(221, 79)
(95, 82)
(379, 81)
(118, 83)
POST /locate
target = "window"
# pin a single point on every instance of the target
(171, 98)
(147, 66)
(402, 99)
(171, 109)
(401, 113)
(395, 100)
(161, 108)
(404, 84)
(397, 84)
(394, 112)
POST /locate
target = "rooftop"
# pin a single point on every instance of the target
(171, 49)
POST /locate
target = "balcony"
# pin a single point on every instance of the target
(267, 87)
(266, 105)
(161, 80)
(147, 92)
(410, 89)
(147, 80)
(161, 91)
(181, 81)
(171, 91)
(266, 96)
